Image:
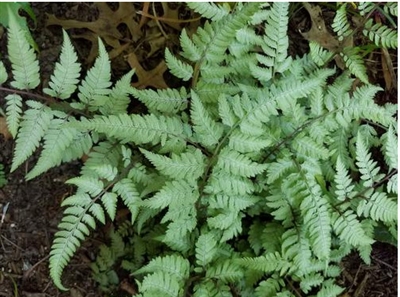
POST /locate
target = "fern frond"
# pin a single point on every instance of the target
(56, 140)
(176, 190)
(367, 166)
(3, 179)
(365, 7)
(221, 183)
(227, 271)
(35, 122)
(355, 63)
(126, 189)
(209, 288)
(160, 284)
(310, 281)
(210, 92)
(339, 147)
(340, 23)
(206, 129)
(94, 88)
(381, 35)
(379, 207)
(232, 202)
(3, 73)
(64, 80)
(135, 128)
(344, 187)
(173, 265)
(318, 54)
(226, 32)
(109, 201)
(329, 289)
(391, 7)
(247, 143)
(190, 50)
(206, 249)
(73, 230)
(87, 184)
(279, 168)
(390, 148)
(392, 185)
(13, 112)
(178, 68)
(276, 41)
(167, 101)
(24, 64)
(177, 237)
(81, 144)
(118, 99)
(317, 219)
(349, 229)
(268, 263)
(239, 164)
(210, 10)
(308, 147)
(268, 288)
(188, 165)
(102, 161)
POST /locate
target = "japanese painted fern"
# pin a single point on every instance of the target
(380, 35)
(260, 174)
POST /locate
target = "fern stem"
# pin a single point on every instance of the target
(293, 288)
(20, 92)
(49, 100)
(375, 185)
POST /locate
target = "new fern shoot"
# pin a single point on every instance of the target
(260, 174)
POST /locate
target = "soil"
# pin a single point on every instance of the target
(34, 210)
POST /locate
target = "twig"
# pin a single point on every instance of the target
(383, 263)
(29, 271)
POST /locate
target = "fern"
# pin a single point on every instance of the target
(56, 140)
(355, 63)
(210, 10)
(208, 132)
(189, 166)
(168, 101)
(13, 112)
(206, 249)
(25, 66)
(178, 68)
(67, 69)
(94, 88)
(3, 179)
(340, 23)
(381, 35)
(3, 73)
(263, 171)
(34, 125)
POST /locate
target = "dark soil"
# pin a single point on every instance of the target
(34, 207)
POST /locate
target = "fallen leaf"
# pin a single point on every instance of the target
(322, 36)
(151, 78)
(105, 27)
(4, 128)
(389, 73)
(318, 31)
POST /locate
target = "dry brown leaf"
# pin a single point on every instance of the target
(171, 14)
(106, 26)
(318, 31)
(151, 78)
(4, 128)
(388, 71)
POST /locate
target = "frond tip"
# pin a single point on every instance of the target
(64, 80)
(25, 66)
